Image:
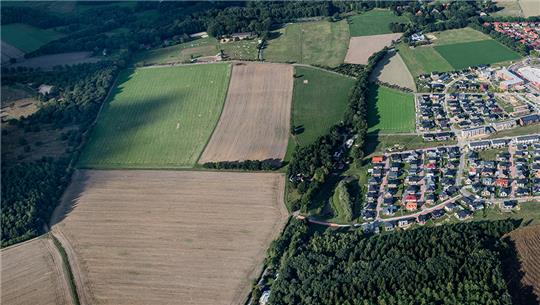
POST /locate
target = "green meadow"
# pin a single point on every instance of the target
(158, 117)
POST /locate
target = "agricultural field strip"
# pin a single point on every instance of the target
(362, 47)
(254, 124)
(150, 237)
(32, 273)
(172, 112)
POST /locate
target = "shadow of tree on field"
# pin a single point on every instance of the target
(521, 293)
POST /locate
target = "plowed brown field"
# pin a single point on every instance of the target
(527, 242)
(255, 121)
(32, 274)
(168, 237)
(362, 47)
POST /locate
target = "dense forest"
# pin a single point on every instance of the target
(154, 24)
(33, 188)
(450, 264)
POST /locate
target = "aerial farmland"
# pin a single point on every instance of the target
(161, 237)
(158, 117)
(32, 273)
(255, 122)
(263, 152)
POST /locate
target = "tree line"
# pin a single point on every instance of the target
(32, 189)
(450, 264)
(310, 165)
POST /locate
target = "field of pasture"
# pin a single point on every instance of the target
(199, 48)
(373, 22)
(454, 50)
(158, 117)
(467, 54)
(390, 110)
(320, 99)
(26, 37)
(320, 42)
(143, 237)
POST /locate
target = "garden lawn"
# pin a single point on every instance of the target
(321, 42)
(390, 110)
(158, 117)
(320, 99)
(26, 37)
(464, 55)
(374, 22)
(423, 60)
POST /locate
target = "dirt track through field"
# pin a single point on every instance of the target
(255, 121)
(168, 237)
(32, 274)
(362, 47)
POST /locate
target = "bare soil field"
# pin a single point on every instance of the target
(168, 237)
(362, 47)
(255, 121)
(19, 108)
(530, 7)
(392, 70)
(32, 274)
(9, 52)
(47, 62)
(527, 242)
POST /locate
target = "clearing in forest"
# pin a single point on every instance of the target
(143, 237)
(32, 274)
(159, 117)
(361, 48)
(320, 99)
(392, 70)
(26, 37)
(321, 42)
(390, 110)
(255, 121)
(374, 22)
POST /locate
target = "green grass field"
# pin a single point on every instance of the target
(390, 110)
(374, 22)
(458, 36)
(26, 37)
(422, 60)
(464, 55)
(319, 103)
(184, 52)
(158, 117)
(322, 43)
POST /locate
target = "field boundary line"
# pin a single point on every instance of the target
(231, 65)
(68, 272)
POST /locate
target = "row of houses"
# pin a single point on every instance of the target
(527, 33)
(498, 143)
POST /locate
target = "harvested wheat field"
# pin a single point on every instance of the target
(255, 121)
(32, 274)
(168, 237)
(527, 242)
(362, 47)
(392, 70)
